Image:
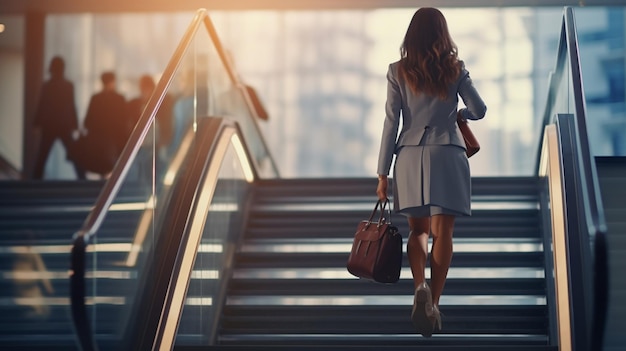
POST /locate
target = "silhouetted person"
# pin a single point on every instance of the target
(164, 126)
(164, 114)
(55, 116)
(184, 111)
(106, 125)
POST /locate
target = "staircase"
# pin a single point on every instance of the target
(290, 289)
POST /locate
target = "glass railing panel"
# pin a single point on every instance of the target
(121, 248)
(219, 239)
(114, 252)
(583, 211)
(227, 97)
(120, 244)
(569, 99)
(560, 91)
(561, 88)
(121, 241)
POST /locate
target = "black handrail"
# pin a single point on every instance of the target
(111, 188)
(588, 187)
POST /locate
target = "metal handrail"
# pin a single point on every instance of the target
(592, 208)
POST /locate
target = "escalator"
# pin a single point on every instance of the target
(214, 251)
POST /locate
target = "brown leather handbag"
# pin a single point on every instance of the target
(471, 143)
(377, 249)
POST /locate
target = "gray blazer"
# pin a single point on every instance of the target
(426, 120)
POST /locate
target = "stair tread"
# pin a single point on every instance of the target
(321, 287)
(338, 259)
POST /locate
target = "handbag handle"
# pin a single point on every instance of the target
(381, 219)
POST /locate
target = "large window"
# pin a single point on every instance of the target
(321, 75)
(11, 88)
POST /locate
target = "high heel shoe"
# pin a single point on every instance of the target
(423, 310)
(436, 318)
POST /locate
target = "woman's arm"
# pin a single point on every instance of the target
(381, 189)
(390, 126)
(476, 107)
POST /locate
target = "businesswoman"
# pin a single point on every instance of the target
(431, 176)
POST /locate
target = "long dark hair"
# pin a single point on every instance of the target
(429, 60)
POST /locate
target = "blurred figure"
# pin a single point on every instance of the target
(184, 111)
(30, 282)
(164, 114)
(106, 125)
(257, 104)
(259, 108)
(163, 123)
(55, 117)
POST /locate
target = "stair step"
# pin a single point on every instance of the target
(334, 224)
(353, 287)
(260, 260)
(355, 345)
(276, 188)
(380, 320)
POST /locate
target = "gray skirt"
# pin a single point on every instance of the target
(430, 180)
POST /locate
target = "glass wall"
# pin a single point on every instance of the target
(602, 39)
(128, 45)
(11, 88)
(321, 75)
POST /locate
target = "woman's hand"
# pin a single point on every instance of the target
(381, 189)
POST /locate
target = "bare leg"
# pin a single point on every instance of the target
(441, 228)
(417, 247)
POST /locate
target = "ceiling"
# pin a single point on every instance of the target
(111, 6)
